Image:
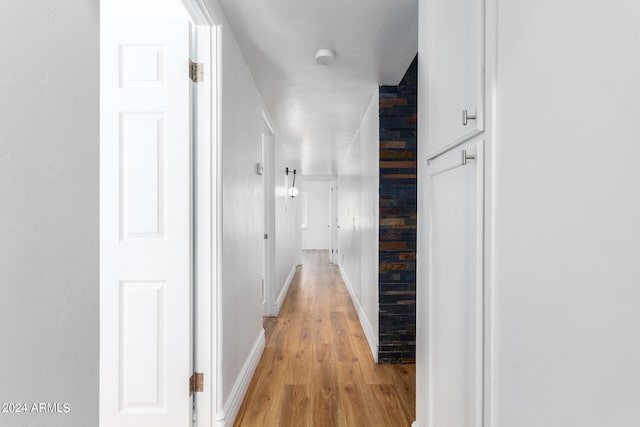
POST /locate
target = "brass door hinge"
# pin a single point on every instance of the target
(196, 383)
(196, 71)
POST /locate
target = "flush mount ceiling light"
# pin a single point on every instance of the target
(325, 56)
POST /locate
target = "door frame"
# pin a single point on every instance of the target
(331, 181)
(334, 222)
(207, 213)
(268, 158)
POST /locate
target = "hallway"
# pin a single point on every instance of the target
(317, 368)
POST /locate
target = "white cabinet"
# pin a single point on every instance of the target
(560, 227)
(454, 293)
(451, 309)
(454, 40)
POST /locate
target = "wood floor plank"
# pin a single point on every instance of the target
(317, 369)
(264, 393)
(323, 353)
(373, 373)
(295, 408)
(405, 385)
(324, 394)
(342, 337)
(351, 400)
(392, 411)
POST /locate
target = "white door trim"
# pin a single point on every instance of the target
(206, 212)
(268, 157)
(334, 222)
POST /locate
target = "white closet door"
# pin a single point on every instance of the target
(454, 41)
(455, 290)
(145, 317)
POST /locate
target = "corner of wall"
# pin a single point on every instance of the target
(283, 293)
(372, 338)
(397, 225)
(227, 416)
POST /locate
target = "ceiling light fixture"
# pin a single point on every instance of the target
(325, 56)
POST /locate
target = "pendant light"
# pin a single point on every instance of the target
(293, 191)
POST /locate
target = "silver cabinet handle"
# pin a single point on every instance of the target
(466, 157)
(466, 117)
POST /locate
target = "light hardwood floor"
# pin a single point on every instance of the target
(317, 369)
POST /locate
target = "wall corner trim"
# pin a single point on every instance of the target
(283, 293)
(372, 339)
(227, 416)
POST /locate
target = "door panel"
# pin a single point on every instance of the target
(317, 234)
(455, 292)
(455, 69)
(145, 219)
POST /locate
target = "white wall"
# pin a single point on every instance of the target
(358, 215)
(317, 233)
(49, 209)
(568, 214)
(287, 226)
(242, 210)
(242, 246)
(349, 235)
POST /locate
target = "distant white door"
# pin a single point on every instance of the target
(455, 291)
(317, 232)
(145, 215)
(334, 223)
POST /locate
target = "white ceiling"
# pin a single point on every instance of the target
(317, 109)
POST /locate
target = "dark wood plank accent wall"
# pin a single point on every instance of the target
(398, 213)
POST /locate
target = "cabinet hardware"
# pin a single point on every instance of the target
(466, 117)
(466, 157)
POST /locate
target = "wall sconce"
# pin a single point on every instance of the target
(292, 191)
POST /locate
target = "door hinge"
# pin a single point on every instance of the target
(266, 236)
(196, 383)
(196, 71)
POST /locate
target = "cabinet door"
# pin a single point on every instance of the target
(455, 291)
(454, 43)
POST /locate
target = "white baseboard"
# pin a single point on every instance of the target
(372, 339)
(227, 416)
(283, 293)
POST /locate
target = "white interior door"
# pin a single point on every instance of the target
(145, 215)
(455, 291)
(317, 233)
